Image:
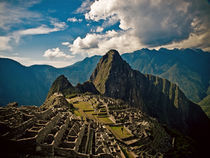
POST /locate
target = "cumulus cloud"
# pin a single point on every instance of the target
(147, 23)
(55, 53)
(155, 22)
(74, 20)
(94, 43)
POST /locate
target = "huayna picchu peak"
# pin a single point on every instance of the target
(118, 112)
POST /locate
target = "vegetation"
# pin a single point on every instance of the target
(105, 120)
(205, 105)
(73, 95)
(119, 131)
(83, 106)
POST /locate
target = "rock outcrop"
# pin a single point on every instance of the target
(61, 85)
(158, 97)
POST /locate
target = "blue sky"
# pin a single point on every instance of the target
(61, 32)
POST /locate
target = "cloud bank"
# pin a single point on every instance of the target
(146, 23)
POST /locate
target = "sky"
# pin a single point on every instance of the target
(62, 32)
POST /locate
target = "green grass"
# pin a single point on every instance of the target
(76, 112)
(116, 130)
(83, 106)
(104, 120)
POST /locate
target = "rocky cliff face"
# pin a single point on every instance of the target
(158, 97)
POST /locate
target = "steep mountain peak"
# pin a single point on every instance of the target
(61, 85)
(156, 96)
(113, 53)
(110, 66)
(111, 57)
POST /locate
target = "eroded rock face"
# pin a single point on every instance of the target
(158, 97)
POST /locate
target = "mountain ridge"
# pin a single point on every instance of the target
(194, 79)
(158, 97)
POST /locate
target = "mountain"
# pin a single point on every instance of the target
(62, 86)
(87, 87)
(19, 83)
(30, 85)
(188, 68)
(156, 96)
(205, 105)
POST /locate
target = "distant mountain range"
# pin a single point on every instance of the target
(189, 68)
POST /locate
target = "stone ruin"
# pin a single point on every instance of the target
(54, 131)
(49, 132)
(149, 138)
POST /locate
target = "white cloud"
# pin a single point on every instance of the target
(13, 15)
(85, 6)
(65, 43)
(94, 43)
(194, 41)
(74, 20)
(55, 53)
(4, 43)
(149, 23)
(99, 29)
(43, 29)
(16, 35)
